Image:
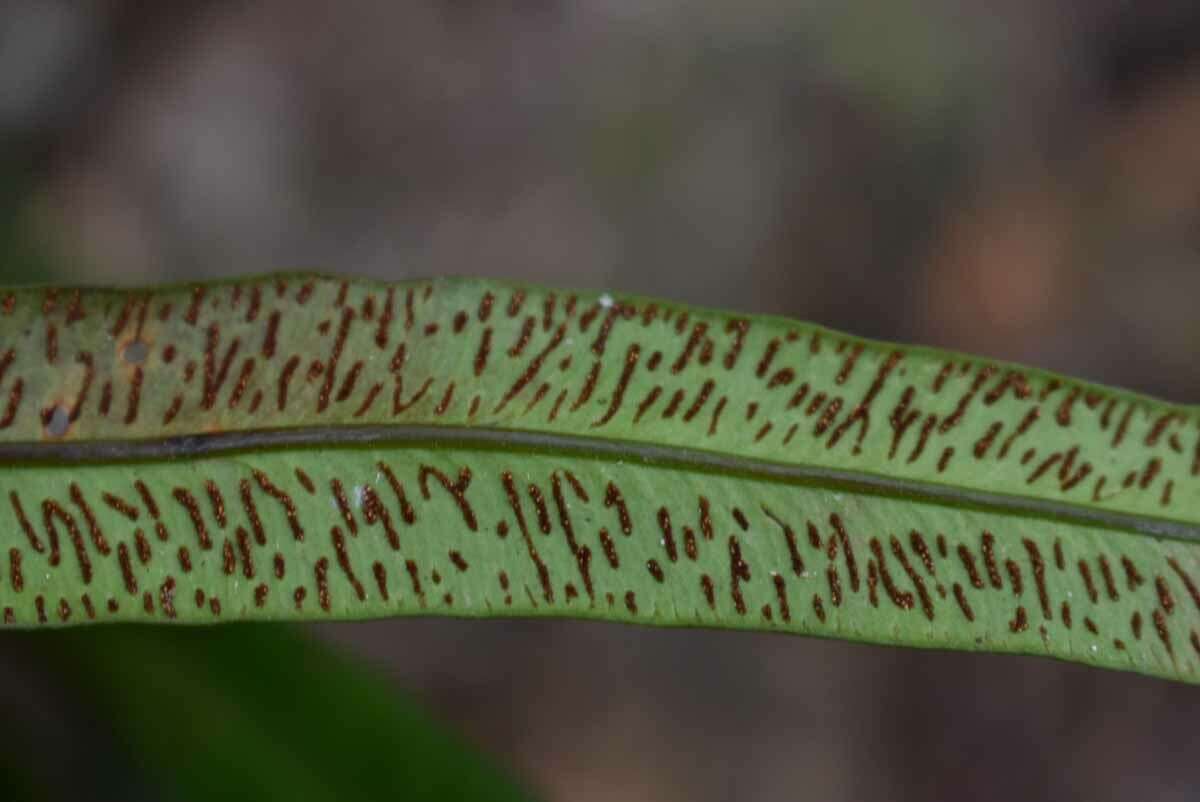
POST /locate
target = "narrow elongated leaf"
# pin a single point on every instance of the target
(307, 448)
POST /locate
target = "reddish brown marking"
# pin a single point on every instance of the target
(610, 548)
(782, 378)
(1045, 466)
(1151, 471)
(1026, 422)
(1039, 576)
(1160, 625)
(848, 551)
(305, 292)
(35, 542)
(984, 443)
(120, 505)
(902, 599)
(814, 537)
(321, 572)
(650, 398)
(14, 402)
(135, 395)
(828, 416)
(1123, 426)
(673, 405)
(1063, 415)
(9, 356)
(685, 356)
(185, 559)
(284, 499)
(399, 405)
(798, 397)
(348, 383)
(1020, 621)
(768, 356)
(1135, 624)
(989, 560)
(537, 397)
(1058, 555)
(1065, 610)
(188, 501)
(373, 510)
(835, 585)
(789, 536)
(1014, 576)
(612, 496)
(818, 608)
(655, 570)
(217, 501)
(738, 327)
(523, 338)
(968, 561)
(532, 370)
(105, 398)
(339, 495)
(143, 546)
(14, 570)
(285, 377)
(457, 490)
(716, 417)
(918, 582)
(739, 570)
(956, 416)
(1085, 571)
(926, 428)
(244, 551)
(214, 376)
(539, 503)
(1132, 577)
(514, 501)
(632, 354)
(1186, 579)
(51, 510)
(1109, 584)
(131, 584)
(147, 498)
(1165, 598)
(335, 356)
(343, 558)
(84, 359)
(406, 509)
(605, 328)
(631, 602)
(963, 604)
(917, 543)
(516, 302)
(166, 597)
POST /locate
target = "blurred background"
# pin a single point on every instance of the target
(1018, 179)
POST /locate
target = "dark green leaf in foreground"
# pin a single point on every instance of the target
(304, 448)
(263, 713)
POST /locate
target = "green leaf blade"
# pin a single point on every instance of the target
(349, 450)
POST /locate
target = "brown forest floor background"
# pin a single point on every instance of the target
(1018, 179)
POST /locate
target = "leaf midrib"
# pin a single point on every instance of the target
(20, 453)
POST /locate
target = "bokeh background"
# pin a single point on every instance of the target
(1018, 179)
